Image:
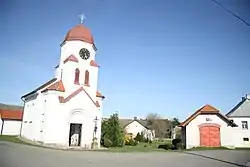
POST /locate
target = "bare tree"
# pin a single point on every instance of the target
(159, 124)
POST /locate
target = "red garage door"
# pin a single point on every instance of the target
(209, 136)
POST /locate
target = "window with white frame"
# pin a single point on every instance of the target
(244, 124)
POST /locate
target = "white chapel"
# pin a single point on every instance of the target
(67, 110)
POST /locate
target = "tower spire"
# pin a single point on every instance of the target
(82, 18)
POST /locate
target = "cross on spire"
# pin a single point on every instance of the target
(82, 18)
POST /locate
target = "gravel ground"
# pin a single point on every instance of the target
(17, 155)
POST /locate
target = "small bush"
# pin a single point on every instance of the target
(165, 146)
(107, 142)
(139, 137)
(175, 141)
(146, 140)
(179, 146)
(131, 142)
(178, 136)
(176, 144)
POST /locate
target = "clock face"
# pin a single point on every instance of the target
(84, 54)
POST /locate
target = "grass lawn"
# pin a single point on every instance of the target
(13, 139)
(141, 147)
(242, 148)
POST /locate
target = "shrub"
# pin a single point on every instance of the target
(165, 146)
(127, 137)
(146, 140)
(176, 144)
(179, 146)
(107, 142)
(131, 142)
(139, 137)
(175, 141)
(112, 130)
(178, 136)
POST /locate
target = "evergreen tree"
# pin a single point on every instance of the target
(112, 131)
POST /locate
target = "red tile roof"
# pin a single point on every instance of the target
(58, 86)
(93, 63)
(64, 100)
(11, 115)
(40, 87)
(81, 33)
(70, 58)
(98, 94)
(207, 109)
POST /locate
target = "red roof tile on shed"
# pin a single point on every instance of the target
(11, 115)
(207, 109)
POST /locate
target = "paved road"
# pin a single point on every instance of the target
(16, 155)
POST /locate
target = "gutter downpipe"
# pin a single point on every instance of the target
(22, 117)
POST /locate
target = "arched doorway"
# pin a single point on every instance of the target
(75, 127)
(209, 135)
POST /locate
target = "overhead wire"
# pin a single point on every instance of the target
(231, 12)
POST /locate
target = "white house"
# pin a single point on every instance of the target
(135, 126)
(207, 127)
(67, 110)
(240, 114)
(10, 119)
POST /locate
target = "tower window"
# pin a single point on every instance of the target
(77, 74)
(86, 81)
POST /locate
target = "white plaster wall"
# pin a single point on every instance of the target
(73, 47)
(52, 119)
(33, 118)
(79, 109)
(68, 76)
(134, 128)
(0, 124)
(193, 133)
(27, 129)
(242, 133)
(11, 127)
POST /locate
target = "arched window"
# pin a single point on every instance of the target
(86, 81)
(77, 74)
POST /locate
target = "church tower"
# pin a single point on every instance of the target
(77, 66)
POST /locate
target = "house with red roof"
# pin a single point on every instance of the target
(208, 127)
(67, 109)
(10, 119)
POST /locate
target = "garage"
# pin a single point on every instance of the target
(209, 135)
(207, 127)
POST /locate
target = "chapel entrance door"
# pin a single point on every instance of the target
(75, 134)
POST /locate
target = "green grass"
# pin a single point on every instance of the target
(13, 139)
(141, 147)
(242, 148)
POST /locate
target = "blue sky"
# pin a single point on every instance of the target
(164, 56)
